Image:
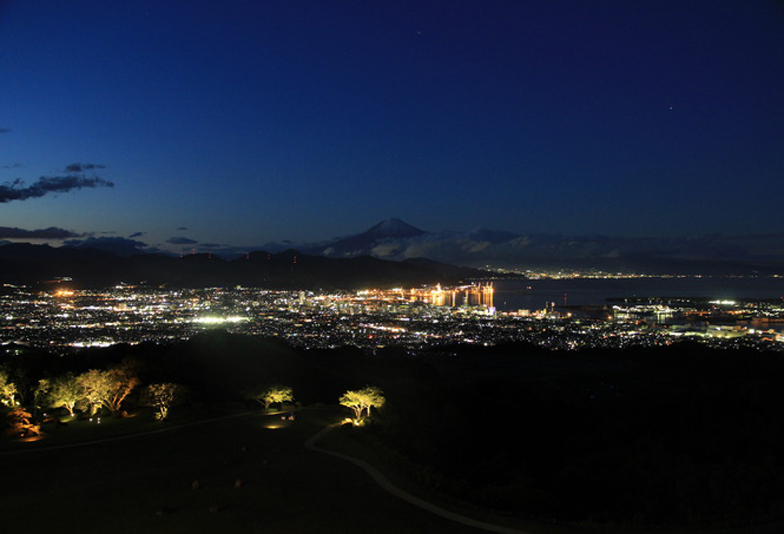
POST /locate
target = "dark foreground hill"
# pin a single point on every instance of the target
(33, 264)
(667, 437)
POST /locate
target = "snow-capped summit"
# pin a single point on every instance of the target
(363, 244)
(392, 227)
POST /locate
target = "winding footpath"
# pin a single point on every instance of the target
(389, 487)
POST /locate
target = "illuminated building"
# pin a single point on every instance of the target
(480, 295)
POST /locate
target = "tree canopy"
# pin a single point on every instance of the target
(162, 397)
(107, 388)
(276, 395)
(21, 422)
(362, 400)
(8, 389)
(64, 392)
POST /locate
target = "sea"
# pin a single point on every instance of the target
(527, 294)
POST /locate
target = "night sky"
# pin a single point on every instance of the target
(184, 123)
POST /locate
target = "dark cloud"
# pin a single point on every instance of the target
(136, 234)
(14, 166)
(181, 241)
(5, 130)
(44, 233)
(83, 167)
(182, 228)
(45, 185)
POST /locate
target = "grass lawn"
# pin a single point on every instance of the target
(79, 431)
(244, 473)
(185, 480)
(401, 473)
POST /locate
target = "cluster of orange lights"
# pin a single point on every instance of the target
(473, 295)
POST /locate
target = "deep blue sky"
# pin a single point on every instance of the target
(247, 122)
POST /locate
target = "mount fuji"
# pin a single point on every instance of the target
(392, 232)
(394, 239)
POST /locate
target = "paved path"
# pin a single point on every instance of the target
(384, 482)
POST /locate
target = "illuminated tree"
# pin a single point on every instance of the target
(107, 388)
(276, 395)
(352, 399)
(96, 387)
(161, 397)
(374, 398)
(8, 389)
(64, 392)
(41, 394)
(363, 400)
(20, 421)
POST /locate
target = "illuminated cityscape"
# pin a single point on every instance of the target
(431, 267)
(373, 318)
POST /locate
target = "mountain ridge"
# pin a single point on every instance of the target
(482, 248)
(26, 264)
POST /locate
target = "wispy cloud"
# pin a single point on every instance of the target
(136, 234)
(5, 130)
(83, 167)
(17, 190)
(75, 178)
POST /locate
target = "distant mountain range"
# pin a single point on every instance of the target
(394, 239)
(27, 264)
(392, 252)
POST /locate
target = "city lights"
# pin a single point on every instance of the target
(371, 319)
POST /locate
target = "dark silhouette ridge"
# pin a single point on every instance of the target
(37, 264)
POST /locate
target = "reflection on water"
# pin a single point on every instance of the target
(539, 294)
